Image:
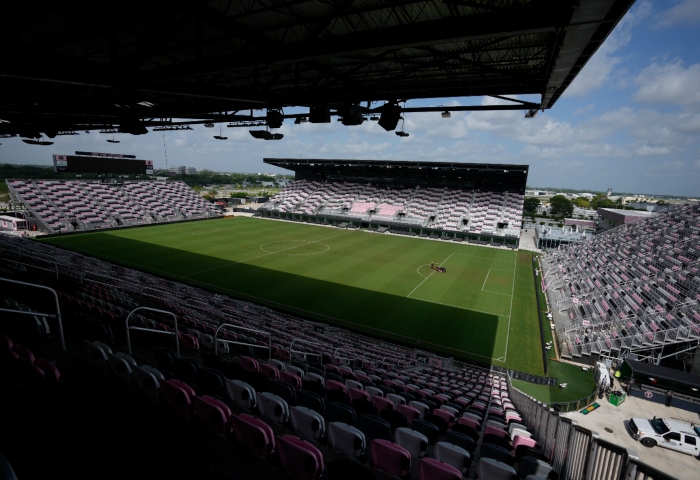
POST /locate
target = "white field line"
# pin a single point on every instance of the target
(431, 272)
(510, 313)
(487, 277)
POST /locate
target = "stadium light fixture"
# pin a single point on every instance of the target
(266, 135)
(209, 125)
(146, 104)
(446, 114)
(531, 113)
(402, 134)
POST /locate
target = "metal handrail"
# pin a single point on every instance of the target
(128, 336)
(336, 351)
(268, 334)
(292, 351)
(58, 308)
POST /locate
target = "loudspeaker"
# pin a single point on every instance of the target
(320, 114)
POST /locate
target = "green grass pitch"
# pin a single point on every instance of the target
(482, 308)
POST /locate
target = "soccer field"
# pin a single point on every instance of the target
(482, 307)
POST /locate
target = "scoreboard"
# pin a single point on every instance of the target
(92, 162)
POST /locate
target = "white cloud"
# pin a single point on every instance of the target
(599, 69)
(647, 151)
(669, 83)
(585, 109)
(685, 12)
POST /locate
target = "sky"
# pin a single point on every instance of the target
(630, 121)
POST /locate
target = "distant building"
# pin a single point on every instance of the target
(182, 170)
(648, 206)
(580, 225)
(614, 217)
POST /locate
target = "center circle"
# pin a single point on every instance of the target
(294, 248)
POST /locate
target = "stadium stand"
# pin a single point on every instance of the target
(73, 205)
(631, 289)
(474, 421)
(440, 209)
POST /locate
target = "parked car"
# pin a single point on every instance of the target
(669, 433)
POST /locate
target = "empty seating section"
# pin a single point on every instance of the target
(68, 205)
(633, 287)
(438, 208)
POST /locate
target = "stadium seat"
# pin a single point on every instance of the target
(272, 407)
(374, 427)
(390, 458)
(433, 469)
(307, 423)
(254, 434)
(453, 455)
(346, 439)
(413, 441)
(241, 393)
(300, 457)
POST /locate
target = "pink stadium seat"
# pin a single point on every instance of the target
(432, 469)
(389, 457)
(300, 457)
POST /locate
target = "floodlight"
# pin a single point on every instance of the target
(446, 114)
(531, 113)
(402, 134)
(266, 135)
(209, 125)
(219, 137)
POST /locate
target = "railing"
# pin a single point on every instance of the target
(577, 453)
(305, 353)
(235, 342)
(162, 332)
(57, 316)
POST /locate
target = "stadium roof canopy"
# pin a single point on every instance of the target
(484, 176)
(76, 65)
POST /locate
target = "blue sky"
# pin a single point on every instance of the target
(630, 121)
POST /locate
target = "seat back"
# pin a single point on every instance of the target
(389, 457)
(496, 452)
(311, 400)
(433, 469)
(439, 420)
(300, 457)
(147, 381)
(272, 407)
(410, 412)
(176, 396)
(461, 440)
(431, 431)
(337, 412)
(415, 442)
(270, 371)
(346, 439)
(241, 393)
(357, 394)
(396, 399)
(453, 455)
(374, 427)
(395, 419)
(212, 413)
(254, 434)
(97, 356)
(494, 470)
(382, 403)
(420, 406)
(307, 423)
(533, 466)
(249, 364)
(291, 379)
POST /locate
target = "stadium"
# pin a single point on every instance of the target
(372, 319)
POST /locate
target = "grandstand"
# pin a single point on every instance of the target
(475, 202)
(633, 289)
(59, 206)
